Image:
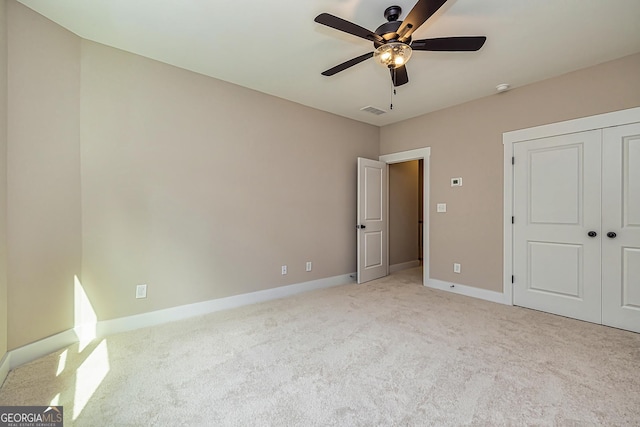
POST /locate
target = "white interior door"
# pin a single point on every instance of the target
(373, 261)
(621, 227)
(557, 183)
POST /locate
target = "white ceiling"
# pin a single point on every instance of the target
(283, 51)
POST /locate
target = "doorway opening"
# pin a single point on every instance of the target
(422, 155)
(405, 215)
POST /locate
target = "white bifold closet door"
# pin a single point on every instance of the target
(576, 248)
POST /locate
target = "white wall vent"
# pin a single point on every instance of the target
(372, 110)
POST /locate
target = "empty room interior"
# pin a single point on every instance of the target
(208, 217)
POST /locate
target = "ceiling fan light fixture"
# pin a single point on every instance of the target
(392, 54)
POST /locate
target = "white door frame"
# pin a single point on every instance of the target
(600, 121)
(406, 156)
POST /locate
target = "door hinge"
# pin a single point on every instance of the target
(513, 279)
(513, 220)
(513, 160)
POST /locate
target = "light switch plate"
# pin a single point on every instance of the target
(441, 207)
(456, 182)
(141, 291)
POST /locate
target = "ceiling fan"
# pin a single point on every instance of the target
(392, 40)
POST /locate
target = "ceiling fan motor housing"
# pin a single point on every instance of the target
(389, 32)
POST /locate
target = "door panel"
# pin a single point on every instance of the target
(373, 200)
(556, 269)
(630, 276)
(561, 206)
(631, 179)
(621, 215)
(373, 262)
(373, 253)
(556, 203)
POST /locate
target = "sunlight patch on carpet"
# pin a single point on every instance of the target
(55, 401)
(89, 376)
(62, 362)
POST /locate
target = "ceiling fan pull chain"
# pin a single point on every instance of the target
(393, 91)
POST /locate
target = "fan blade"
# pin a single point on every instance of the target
(450, 44)
(399, 76)
(347, 64)
(347, 27)
(416, 17)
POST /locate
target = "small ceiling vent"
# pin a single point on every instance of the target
(372, 110)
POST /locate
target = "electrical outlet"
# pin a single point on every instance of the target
(441, 207)
(456, 182)
(284, 270)
(309, 265)
(141, 291)
(456, 267)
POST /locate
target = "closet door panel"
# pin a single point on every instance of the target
(621, 227)
(556, 206)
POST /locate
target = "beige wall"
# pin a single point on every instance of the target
(203, 189)
(3, 180)
(403, 212)
(466, 141)
(43, 175)
(199, 188)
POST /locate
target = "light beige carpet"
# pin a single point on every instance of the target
(390, 352)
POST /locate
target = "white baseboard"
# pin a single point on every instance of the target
(40, 348)
(103, 328)
(5, 366)
(469, 291)
(404, 266)
(123, 324)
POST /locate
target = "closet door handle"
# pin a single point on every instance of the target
(592, 234)
(611, 235)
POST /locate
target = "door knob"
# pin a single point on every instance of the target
(611, 235)
(592, 234)
(361, 226)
